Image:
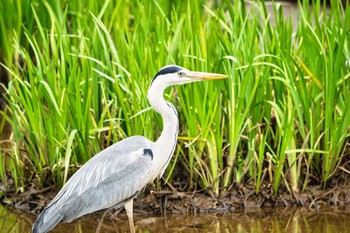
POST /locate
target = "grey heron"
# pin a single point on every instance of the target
(114, 176)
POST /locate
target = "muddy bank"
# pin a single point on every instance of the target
(170, 201)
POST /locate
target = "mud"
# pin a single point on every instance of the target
(170, 201)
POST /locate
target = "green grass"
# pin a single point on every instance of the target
(79, 73)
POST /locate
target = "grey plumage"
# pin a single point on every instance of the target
(101, 183)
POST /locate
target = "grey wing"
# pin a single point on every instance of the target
(108, 179)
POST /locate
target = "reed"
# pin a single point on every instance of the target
(79, 73)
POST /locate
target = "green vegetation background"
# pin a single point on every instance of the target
(79, 73)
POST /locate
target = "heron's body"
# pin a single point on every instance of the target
(94, 188)
(114, 176)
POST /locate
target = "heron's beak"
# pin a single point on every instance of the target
(205, 76)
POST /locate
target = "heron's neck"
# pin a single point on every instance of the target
(168, 137)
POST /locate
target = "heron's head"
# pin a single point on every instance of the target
(173, 75)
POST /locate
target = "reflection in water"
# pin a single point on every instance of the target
(327, 219)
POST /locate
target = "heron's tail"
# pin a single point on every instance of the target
(47, 220)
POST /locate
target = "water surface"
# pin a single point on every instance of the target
(326, 219)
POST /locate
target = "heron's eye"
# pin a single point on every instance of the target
(181, 73)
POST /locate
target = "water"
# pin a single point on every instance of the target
(327, 219)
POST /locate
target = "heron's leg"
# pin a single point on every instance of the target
(128, 205)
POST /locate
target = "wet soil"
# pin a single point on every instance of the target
(171, 201)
